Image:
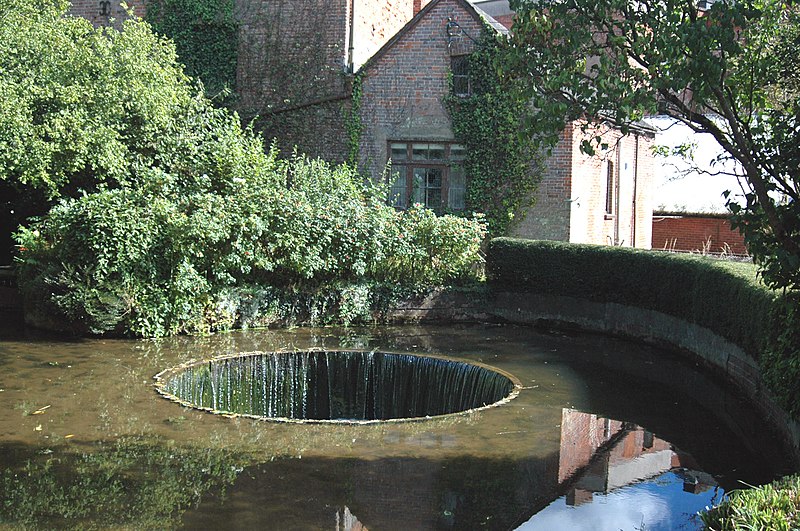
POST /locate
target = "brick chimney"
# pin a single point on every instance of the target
(417, 6)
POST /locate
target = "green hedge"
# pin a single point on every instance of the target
(725, 297)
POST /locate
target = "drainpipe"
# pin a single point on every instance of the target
(635, 183)
(417, 6)
(350, 39)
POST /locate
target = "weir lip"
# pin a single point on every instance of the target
(338, 386)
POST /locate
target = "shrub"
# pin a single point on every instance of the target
(182, 253)
(167, 203)
(80, 105)
(725, 297)
(775, 506)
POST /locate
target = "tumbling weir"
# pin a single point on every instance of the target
(336, 386)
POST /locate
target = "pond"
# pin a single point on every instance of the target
(604, 434)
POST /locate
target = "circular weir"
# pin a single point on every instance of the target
(336, 386)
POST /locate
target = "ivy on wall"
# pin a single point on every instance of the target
(503, 170)
(353, 125)
(205, 33)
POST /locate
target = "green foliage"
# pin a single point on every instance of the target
(780, 363)
(775, 506)
(78, 105)
(725, 297)
(729, 71)
(132, 483)
(174, 204)
(206, 37)
(172, 254)
(501, 165)
(353, 126)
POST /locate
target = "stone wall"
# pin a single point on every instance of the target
(656, 328)
(716, 353)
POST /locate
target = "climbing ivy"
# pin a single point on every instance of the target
(205, 33)
(501, 163)
(354, 126)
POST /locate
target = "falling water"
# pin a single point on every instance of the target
(340, 385)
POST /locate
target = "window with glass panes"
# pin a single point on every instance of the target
(459, 68)
(431, 173)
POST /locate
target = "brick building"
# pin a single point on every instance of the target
(605, 199)
(296, 65)
(106, 12)
(297, 60)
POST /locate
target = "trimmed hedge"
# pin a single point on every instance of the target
(725, 297)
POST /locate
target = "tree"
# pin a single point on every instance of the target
(729, 70)
(83, 108)
(81, 105)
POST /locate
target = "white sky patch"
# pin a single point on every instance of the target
(695, 192)
(611, 512)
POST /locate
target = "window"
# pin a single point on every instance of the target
(428, 173)
(611, 182)
(459, 65)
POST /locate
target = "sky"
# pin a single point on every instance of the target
(694, 192)
(657, 504)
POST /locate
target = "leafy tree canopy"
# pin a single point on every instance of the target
(729, 70)
(83, 106)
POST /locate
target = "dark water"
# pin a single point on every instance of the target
(335, 385)
(604, 434)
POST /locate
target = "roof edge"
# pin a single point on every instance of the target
(478, 14)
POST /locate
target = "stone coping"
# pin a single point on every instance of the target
(718, 354)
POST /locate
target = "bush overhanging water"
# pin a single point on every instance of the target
(169, 217)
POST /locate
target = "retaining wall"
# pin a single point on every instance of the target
(656, 328)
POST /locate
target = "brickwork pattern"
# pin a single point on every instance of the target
(293, 70)
(549, 218)
(403, 87)
(106, 12)
(696, 233)
(571, 200)
(291, 52)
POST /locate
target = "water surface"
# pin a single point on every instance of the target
(604, 433)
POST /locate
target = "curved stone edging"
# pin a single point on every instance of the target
(658, 329)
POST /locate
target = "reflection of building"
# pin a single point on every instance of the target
(345, 521)
(599, 455)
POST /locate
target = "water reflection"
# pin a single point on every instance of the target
(622, 476)
(606, 471)
(107, 452)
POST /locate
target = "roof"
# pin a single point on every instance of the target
(476, 12)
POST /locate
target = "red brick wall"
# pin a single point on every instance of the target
(549, 219)
(91, 9)
(403, 88)
(293, 65)
(571, 200)
(680, 232)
